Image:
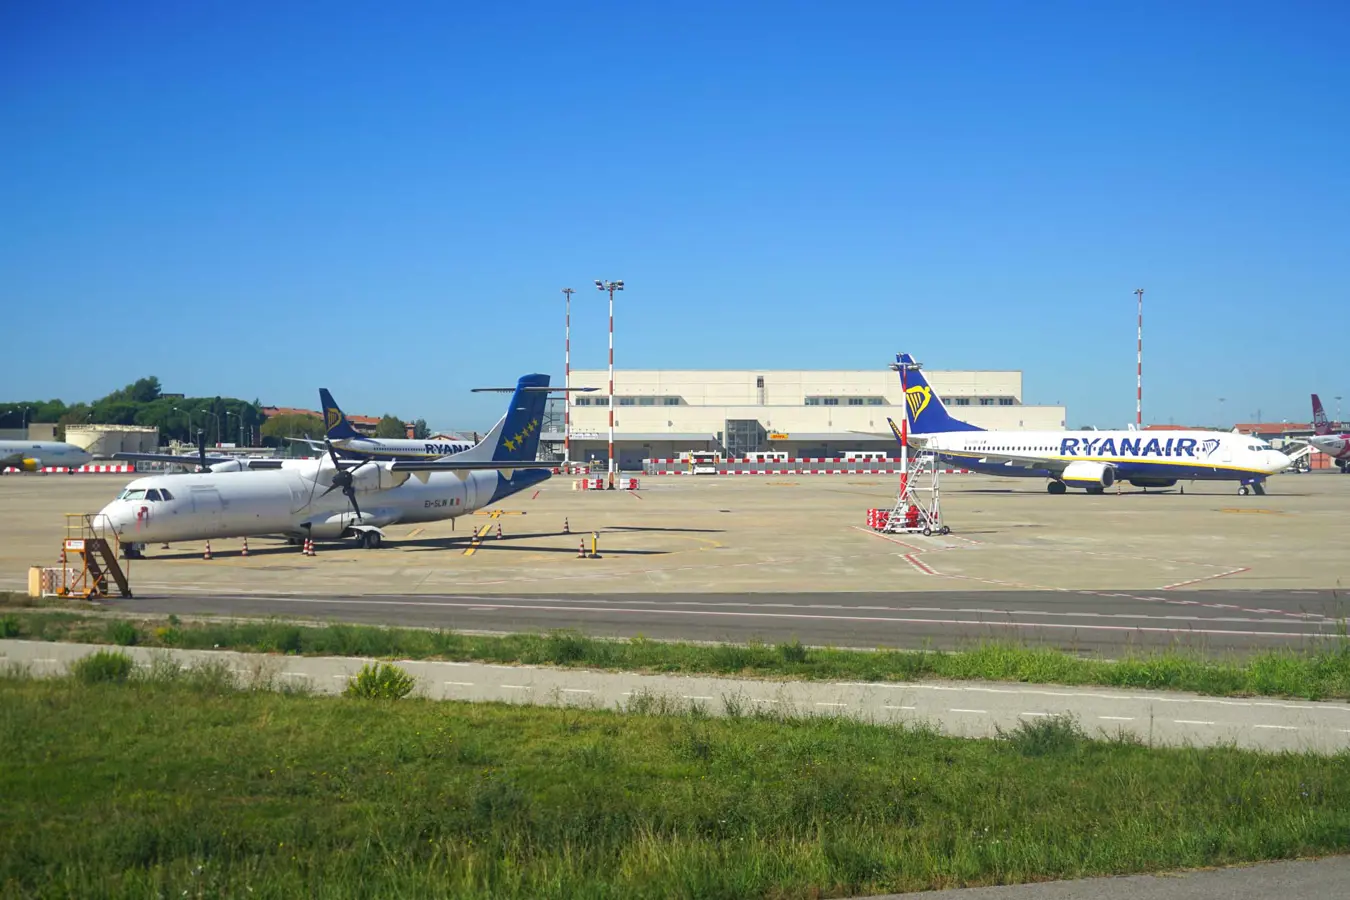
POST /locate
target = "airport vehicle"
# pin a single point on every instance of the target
(1089, 460)
(33, 456)
(1337, 446)
(319, 500)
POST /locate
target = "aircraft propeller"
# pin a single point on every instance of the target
(342, 478)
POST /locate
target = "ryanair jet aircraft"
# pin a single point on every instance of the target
(319, 498)
(351, 444)
(1090, 460)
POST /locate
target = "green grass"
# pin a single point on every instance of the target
(1320, 672)
(174, 784)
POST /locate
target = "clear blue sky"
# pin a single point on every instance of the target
(256, 199)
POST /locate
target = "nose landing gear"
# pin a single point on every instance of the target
(1252, 486)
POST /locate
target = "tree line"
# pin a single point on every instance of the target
(221, 419)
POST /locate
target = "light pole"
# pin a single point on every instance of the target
(189, 418)
(1221, 412)
(611, 286)
(567, 380)
(1139, 366)
(216, 416)
(23, 422)
(1338, 409)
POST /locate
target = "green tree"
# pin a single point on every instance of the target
(278, 428)
(391, 427)
(420, 430)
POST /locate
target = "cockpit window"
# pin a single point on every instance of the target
(152, 494)
(133, 494)
(165, 492)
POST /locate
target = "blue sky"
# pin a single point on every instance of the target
(256, 199)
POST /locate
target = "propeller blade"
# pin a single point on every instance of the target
(351, 496)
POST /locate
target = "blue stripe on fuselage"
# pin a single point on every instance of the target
(1125, 469)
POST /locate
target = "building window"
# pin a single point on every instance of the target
(812, 401)
(986, 401)
(1005, 401)
(646, 401)
(582, 401)
(875, 401)
(960, 401)
(830, 401)
(625, 401)
(672, 401)
(855, 401)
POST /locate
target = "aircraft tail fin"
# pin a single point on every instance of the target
(923, 407)
(515, 437)
(1320, 423)
(335, 424)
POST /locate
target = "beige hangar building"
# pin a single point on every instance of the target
(658, 413)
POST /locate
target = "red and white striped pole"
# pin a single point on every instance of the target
(611, 286)
(1139, 366)
(567, 381)
(611, 387)
(904, 429)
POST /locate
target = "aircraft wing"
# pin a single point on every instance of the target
(450, 465)
(185, 460)
(318, 445)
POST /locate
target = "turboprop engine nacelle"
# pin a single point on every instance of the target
(376, 477)
(1084, 474)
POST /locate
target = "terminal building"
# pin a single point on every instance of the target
(660, 413)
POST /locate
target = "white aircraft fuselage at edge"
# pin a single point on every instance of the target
(1089, 460)
(31, 456)
(303, 502)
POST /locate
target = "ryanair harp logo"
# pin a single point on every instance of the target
(1209, 445)
(918, 399)
(331, 418)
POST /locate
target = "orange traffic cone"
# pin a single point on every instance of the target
(499, 531)
(207, 554)
(581, 550)
(567, 529)
(309, 546)
(245, 553)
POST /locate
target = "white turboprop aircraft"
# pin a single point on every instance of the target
(319, 500)
(33, 456)
(1090, 460)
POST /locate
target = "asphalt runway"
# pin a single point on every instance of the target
(778, 558)
(1097, 621)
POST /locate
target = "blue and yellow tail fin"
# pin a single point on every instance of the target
(335, 424)
(923, 407)
(515, 437)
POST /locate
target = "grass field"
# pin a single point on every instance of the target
(1320, 672)
(172, 783)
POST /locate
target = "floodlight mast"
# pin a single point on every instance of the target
(567, 381)
(610, 286)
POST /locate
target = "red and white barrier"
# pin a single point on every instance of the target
(598, 484)
(78, 470)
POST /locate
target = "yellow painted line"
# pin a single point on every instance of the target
(473, 542)
(1253, 512)
(415, 532)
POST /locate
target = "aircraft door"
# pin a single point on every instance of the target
(471, 488)
(206, 504)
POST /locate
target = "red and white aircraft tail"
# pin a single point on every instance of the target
(1321, 425)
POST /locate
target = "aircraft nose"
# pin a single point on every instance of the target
(1277, 461)
(109, 519)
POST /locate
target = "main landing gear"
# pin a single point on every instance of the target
(368, 540)
(1254, 486)
(1057, 487)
